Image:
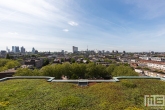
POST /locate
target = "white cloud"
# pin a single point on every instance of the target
(32, 7)
(65, 30)
(12, 33)
(72, 23)
(35, 12)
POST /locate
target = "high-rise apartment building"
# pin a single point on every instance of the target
(62, 51)
(75, 49)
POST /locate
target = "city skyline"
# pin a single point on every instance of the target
(74, 49)
(131, 26)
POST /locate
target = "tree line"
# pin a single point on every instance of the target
(76, 70)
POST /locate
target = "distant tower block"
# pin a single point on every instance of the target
(75, 49)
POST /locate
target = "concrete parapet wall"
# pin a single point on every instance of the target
(49, 79)
(52, 79)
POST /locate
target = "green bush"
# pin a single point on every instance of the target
(6, 64)
(122, 70)
(27, 72)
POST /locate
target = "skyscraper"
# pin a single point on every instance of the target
(33, 50)
(15, 49)
(62, 52)
(22, 49)
(8, 50)
(75, 49)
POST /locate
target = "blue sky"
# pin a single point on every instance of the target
(55, 25)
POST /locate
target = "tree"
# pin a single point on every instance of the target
(46, 62)
(101, 71)
(78, 70)
(124, 71)
(91, 70)
(107, 60)
(24, 72)
(34, 55)
(110, 69)
(62, 59)
(72, 60)
(88, 61)
(8, 64)
(7, 56)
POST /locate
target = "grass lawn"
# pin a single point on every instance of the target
(37, 94)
